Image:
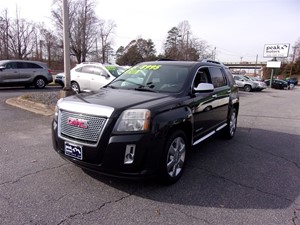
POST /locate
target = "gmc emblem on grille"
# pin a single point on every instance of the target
(78, 122)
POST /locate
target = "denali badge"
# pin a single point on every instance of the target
(78, 122)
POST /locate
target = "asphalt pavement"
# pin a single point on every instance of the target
(253, 179)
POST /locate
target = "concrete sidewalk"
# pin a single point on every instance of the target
(34, 107)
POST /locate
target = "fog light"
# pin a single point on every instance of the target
(54, 125)
(129, 154)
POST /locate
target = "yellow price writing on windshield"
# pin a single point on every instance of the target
(133, 70)
(150, 67)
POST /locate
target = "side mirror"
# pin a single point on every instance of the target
(204, 87)
(2, 68)
(105, 75)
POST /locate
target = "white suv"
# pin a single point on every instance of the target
(87, 76)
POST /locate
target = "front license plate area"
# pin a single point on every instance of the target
(73, 150)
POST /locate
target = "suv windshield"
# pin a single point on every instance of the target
(155, 77)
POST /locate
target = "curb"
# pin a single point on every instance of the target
(34, 107)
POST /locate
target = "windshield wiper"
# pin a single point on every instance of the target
(145, 88)
(111, 86)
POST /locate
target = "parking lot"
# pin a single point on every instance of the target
(252, 179)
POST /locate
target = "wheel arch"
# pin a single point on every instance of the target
(168, 122)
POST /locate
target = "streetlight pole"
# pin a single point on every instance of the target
(272, 73)
(255, 65)
(291, 71)
(66, 38)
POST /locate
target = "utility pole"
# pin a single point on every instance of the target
(272, 73)
(214, 52)
(255, 65)
(67, 90)
(291, 71)
(187, 45)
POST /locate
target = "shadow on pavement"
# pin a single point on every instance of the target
(246, 172)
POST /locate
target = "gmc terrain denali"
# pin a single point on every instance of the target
(143, 123)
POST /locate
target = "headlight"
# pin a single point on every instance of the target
(57, 109)
(134, 120)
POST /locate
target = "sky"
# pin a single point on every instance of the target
(237, 29)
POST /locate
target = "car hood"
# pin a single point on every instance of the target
(120, 99)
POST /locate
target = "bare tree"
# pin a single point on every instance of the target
(105, 32)
(83, 25)
(4, 25)
(16, 37)
(296, 50)
(50, 47)
(20, 38)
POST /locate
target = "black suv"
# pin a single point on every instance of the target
(144, 122)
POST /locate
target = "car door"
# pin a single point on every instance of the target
(9, 74)
(239, 81)
(99, 78)
(202, 104)
(28, 71)
(210, 108)
(221, 94)
(82, 76)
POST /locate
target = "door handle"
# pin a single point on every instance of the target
(214, 96)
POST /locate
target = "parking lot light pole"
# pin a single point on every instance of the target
(272, 73)
(67, 90)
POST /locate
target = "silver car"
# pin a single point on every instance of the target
(244, 83)
(260, 84)
(24, 73)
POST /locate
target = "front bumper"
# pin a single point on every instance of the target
(110, 156)
(59, 81)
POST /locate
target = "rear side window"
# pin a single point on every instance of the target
(229, 76)
(217, 77)
(87, 69)
(99, 71)
(27, 65)
(32, 66)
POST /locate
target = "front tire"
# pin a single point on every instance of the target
(247, 88)
(174, 157)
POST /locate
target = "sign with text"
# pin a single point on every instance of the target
(276, 50)
(274, 64)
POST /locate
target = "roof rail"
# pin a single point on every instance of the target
(166, 59)
(212, 61)
(91, 63)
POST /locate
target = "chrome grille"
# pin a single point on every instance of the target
(91, 133)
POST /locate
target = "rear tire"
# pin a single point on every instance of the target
(39, 82)
(229, 130)
(174, 157)
(75, 86)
